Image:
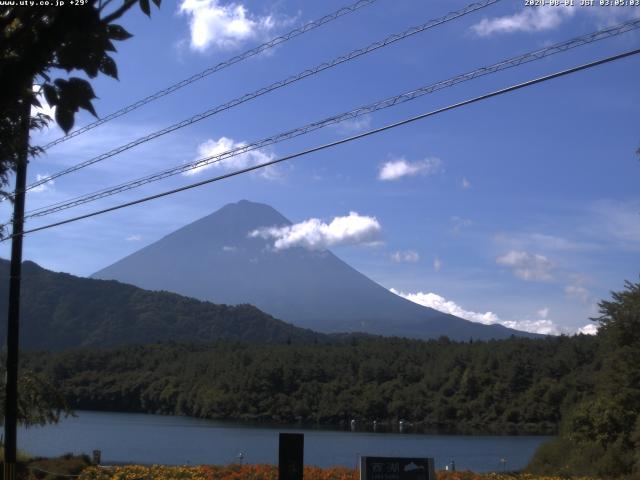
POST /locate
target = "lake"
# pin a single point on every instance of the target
(147, 439)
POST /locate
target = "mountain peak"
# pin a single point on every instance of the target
(247, 212)
(216, 259)
(228, 226)
(246, 205)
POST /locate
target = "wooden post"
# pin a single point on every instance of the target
(291, 456)
(13, 321)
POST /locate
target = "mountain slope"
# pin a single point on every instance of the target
(61, 311)
(215, 259)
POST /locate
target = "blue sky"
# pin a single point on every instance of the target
(522, 209)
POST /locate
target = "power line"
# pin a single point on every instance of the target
(363, 110)
(274, 86)
(216, 68)
(341, 141)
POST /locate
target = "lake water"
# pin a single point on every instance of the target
(139, 438)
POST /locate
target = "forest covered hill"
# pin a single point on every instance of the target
(64, 311)
(509, 386)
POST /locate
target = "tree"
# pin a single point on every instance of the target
(39, 401)
(601, 435)
(37, 41)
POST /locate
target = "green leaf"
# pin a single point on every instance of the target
(88, 106)
(145, 7)
(92, 65)
(83, 87)
(83, 94)
(157, 2)
(73, 94)
(64, 118)
(50, 94)
(116, 32)
(108, 67)
(109, 47)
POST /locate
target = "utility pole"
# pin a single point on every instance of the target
(13, 322)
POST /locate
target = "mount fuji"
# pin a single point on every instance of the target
(215, 259)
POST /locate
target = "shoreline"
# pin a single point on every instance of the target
(361, 426)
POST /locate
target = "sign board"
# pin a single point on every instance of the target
(397, 468)
(291, 456)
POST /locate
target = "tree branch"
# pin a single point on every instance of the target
(120, 11)
(104, 4)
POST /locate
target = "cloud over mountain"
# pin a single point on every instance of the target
(540, 323)
(437, 302)
(314, 234)
(248, 252)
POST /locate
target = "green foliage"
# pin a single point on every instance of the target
(467, 387)
(38, 40)
(39, 402)
(62, 311)
(601, 435)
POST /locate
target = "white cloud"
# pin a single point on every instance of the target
(527, 266)
(223, 26)
(212, 148)
(315, 234)
(435, 301)
(527, 20)
(44, 106)
(437, 264)
(542, 326)
(459, 223)
(545, 18)
(577, 291)
(134, 238)
(539, 324)
(228, 248)
(48, 185)
(400, 167)
(465, 184)
(590, 329)
(405, 256)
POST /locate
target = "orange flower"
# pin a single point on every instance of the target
(263, 472)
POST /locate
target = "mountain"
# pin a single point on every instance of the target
(214, 259)
(60, 311)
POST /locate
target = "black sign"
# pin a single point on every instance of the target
(396, 468)
(291, 456)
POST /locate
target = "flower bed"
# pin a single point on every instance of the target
(264, 472)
